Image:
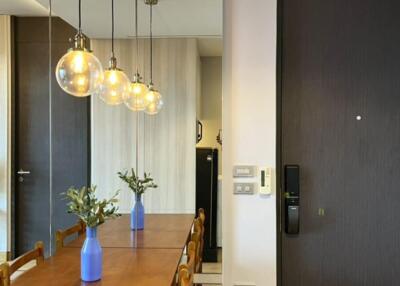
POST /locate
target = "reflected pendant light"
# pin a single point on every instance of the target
(153, 97)
(135, 100)
(115, 85)
(79, 72)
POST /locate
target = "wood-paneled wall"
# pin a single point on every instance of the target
(166, 141)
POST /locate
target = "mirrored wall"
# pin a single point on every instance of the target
(64, 141)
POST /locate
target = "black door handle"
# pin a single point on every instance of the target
(199, 131)
(292, 199)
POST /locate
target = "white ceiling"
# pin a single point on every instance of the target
(201, 19)
(22, 8)
(172, 18)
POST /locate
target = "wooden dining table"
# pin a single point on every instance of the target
(161, 231)
(152, 263)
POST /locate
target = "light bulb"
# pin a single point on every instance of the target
(115, 86)
(154, 102)
(136, 98)
(79, 73)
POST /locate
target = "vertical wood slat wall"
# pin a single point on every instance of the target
(167, 140)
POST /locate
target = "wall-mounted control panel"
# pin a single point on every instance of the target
(250, 179)
(244, 171)
(244, 188)
(265, 180)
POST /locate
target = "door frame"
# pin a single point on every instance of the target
(13, 149)
(279, 173)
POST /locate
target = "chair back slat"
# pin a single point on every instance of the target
(196, 239)
(185, 277)
(202, 215)
(61, 235)
(7, 269)
(5, 274)
(191, 262)
(202, 218)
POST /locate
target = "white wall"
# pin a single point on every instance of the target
(249, 127)
(5, 97)
(166, 140)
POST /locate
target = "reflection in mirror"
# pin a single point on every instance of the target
(67, 141)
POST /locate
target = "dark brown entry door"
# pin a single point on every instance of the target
(38, 206)
(341, 124)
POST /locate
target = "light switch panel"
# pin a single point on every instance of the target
(244, 188)
(265, 181)
(244, 171)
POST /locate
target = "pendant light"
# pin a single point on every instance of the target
(153, 97)
(135, 100)
(79, 72)
(115, 85)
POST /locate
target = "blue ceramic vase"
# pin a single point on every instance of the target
(140, 214)
(91, 257)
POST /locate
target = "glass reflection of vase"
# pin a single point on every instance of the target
(91, 257)
(138, 210)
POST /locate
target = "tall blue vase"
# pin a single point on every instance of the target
(140, 214)
(91, 257)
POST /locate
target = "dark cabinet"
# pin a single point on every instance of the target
(206, 198)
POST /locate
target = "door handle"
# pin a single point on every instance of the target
(199, 131)
(22, 172)
(292, 199)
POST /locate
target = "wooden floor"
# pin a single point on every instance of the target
(212, 273)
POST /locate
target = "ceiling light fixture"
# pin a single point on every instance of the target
(115, 85)
(135, 100)
(153, 97)
(79, 72)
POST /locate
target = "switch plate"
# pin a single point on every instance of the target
(265, 181)
(244, 188)
(244, 171)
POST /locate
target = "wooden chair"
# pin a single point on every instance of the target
(78, 228)
(202, 217)
(8, 268)
(196, 238)
(185, 277)
(198, 226)
(191, 259)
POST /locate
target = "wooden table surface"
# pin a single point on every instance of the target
(153, 263)
(160, 231)
(121, 267)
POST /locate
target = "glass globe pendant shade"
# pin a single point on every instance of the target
(154, 101)
(136, 98)
(115, 85)
(79, 72)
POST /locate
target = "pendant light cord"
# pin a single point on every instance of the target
(80, 12)
(112, 28)
(136, 36)
(151, 43)
(50, 131)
